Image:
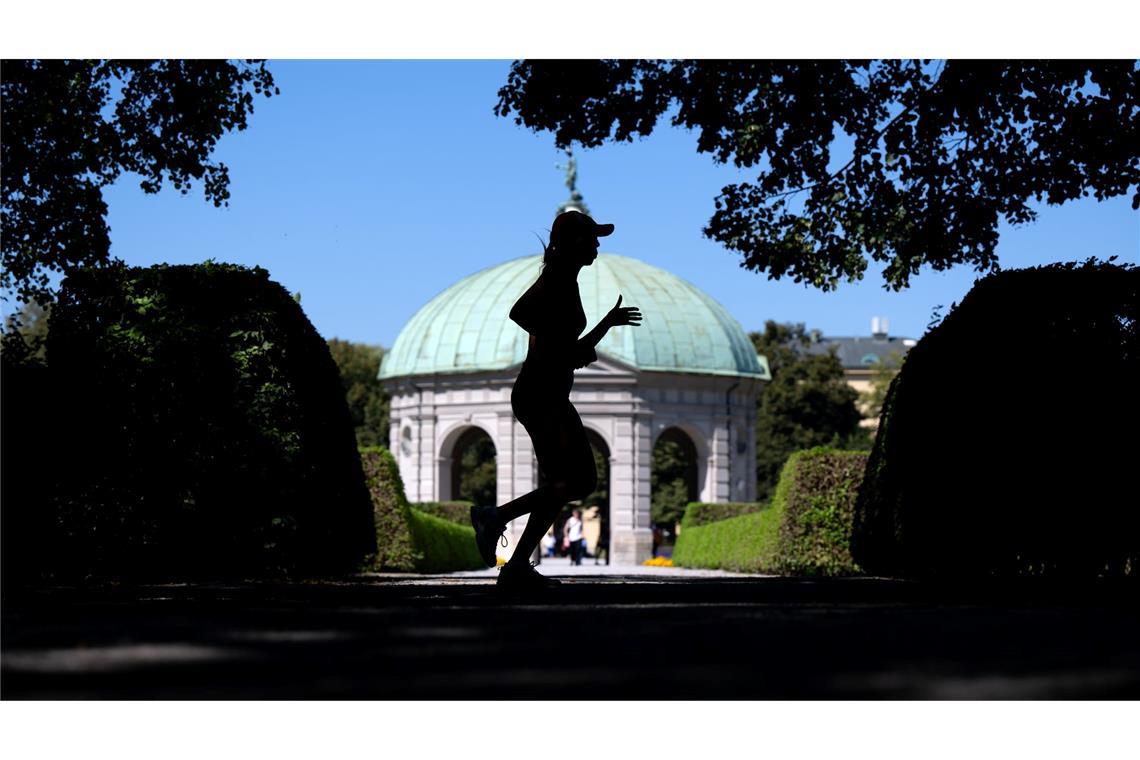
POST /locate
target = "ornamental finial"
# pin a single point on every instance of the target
(575, 202)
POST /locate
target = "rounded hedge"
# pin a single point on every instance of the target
(1006, 445)
(201, 429)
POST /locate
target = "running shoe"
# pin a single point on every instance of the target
(523, 578)
(488, 532)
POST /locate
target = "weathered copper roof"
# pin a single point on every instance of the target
(466, 328)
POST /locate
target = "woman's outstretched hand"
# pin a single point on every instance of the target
(618, 316)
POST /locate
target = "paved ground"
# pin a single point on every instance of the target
(606, 633)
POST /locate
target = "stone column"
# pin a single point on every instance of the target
(631, 536)
(721, 473)
(521, 479)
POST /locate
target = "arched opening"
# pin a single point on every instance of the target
(673, 484)
(595, 510)
(473, 467)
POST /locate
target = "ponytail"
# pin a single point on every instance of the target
(550, 252)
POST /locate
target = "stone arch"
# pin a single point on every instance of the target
(455, 431)
(593, 429)
(450, 447)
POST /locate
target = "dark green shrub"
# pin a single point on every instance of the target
(408, 537)
(395, 548)
(457, 511)
(745, 543)
(30, 451)
(442, 545)
(805, 531)
(702, 513)
(816, 501)
(206, 428)
(1007, 440)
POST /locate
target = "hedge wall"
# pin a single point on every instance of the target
(1006, 445)
(745, 543)
(196, 426)
(805, 531)
(458, 511)
(442, 545)
(702, 513)
(409, 538)
(29, 536)
(391, 515)
(815, 498)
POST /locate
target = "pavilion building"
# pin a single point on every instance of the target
(688, 373)
(688, 370)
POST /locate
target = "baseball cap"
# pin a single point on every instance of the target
(575, 224)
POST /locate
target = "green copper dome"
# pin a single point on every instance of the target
(466, 328)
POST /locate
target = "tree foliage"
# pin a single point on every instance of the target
(25, 333)
(476, 477)
(359, 366)
(934, 156)
(806, 404)
(72, 127)
(672, 478)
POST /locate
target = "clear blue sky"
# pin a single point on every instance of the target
(371, 186)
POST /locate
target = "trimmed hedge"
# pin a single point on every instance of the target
(442, 545)
(1006, 444)
(745, 543)
(391, 515)
(805, 531)
(30, 452)
(408, 538)
(816, 500)
(196, 427)
(457, 511)
(702, 513)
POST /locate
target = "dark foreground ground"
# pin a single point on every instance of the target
(605, 637)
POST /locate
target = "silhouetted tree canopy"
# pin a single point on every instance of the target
(935, 156)
(25, 332)
(806, 404)
(72, 127)
(359, 366)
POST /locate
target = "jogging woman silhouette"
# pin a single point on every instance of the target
(551, 311)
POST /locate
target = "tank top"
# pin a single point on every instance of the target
(556, 308)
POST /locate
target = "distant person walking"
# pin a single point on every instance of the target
(573, 529)
(551, 311)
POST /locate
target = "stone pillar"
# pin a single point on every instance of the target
(743, 470)
(722, 460)
(520, 480)
(443, 479)
(631, 536)
(505, 457)
(424, 424)
(394, 437)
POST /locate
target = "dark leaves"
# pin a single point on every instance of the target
(72, 127)
(941, 152)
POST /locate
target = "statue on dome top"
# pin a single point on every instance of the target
(576, 202)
